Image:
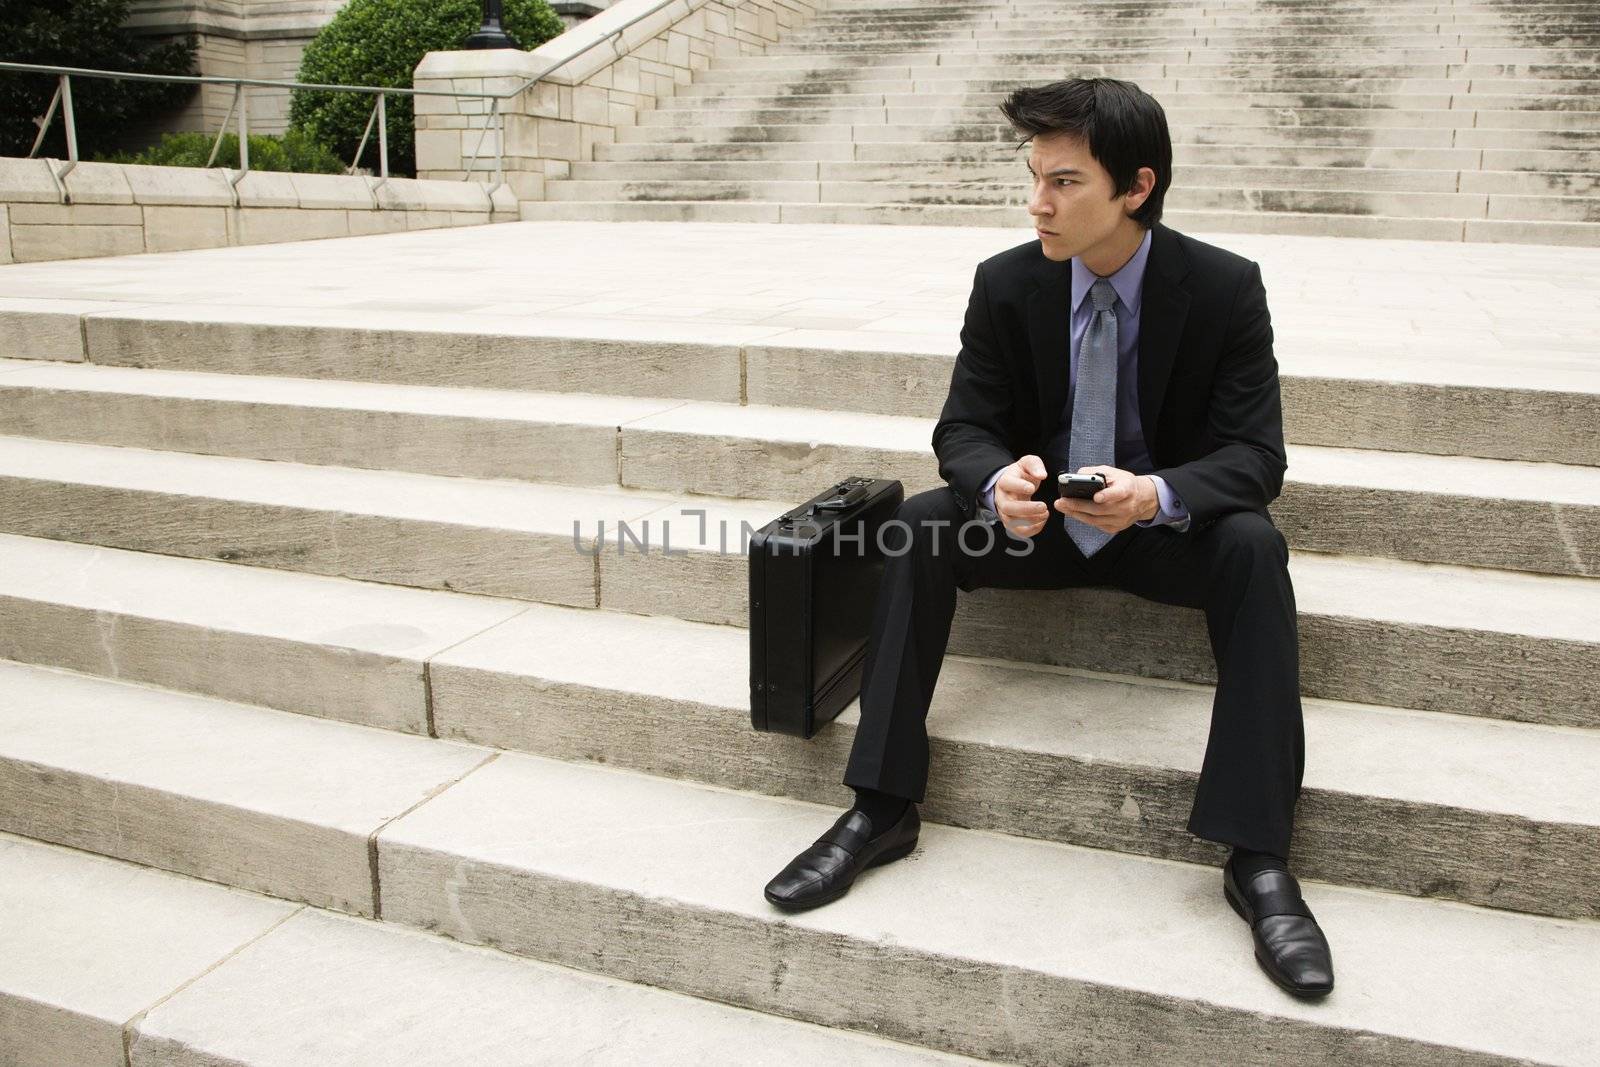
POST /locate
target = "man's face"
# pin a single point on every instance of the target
(1071, 197)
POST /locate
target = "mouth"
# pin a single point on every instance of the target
(1045, 233)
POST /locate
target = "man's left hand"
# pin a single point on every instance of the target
(1126, 499)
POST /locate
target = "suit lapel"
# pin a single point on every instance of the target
(1050, 337)
(1164, 308)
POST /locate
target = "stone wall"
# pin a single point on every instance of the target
(111, 209)
(236, 39)
(559, 121)
(249, 39)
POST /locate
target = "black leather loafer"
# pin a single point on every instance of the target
(825, 871)
(1289, 943)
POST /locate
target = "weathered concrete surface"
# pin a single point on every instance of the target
(257, 799)
(353, 992)
(1008, 938)
(1485, 812)
(88, 944)
(321, 646)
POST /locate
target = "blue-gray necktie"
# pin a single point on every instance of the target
(1094, 405)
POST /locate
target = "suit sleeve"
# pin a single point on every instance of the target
(970, 436)
(1244, 470)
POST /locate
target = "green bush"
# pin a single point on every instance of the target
(293, 151)
(380, 42)
(82, 33)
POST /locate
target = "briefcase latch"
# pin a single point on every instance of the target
(846, 494)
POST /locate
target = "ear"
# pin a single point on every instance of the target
(1144, 183)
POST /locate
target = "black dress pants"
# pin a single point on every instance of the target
(1235, 568)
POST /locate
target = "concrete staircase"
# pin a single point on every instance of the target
(304, 592)
(1468, 120)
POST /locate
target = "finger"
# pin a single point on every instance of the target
(1082, 509)
(1033, 467)
(1114, 493)
(1017, 485)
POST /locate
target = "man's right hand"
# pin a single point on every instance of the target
(1013, 497)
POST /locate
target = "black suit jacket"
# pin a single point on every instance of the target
(1208, 381)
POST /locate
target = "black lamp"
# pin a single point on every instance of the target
(489, 34)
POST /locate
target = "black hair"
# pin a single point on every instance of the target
(1123, 125)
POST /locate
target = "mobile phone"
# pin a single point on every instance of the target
(1079, 486)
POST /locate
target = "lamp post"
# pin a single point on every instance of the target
(489, 33)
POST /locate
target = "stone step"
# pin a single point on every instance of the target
(1519, 231)
(1184, 176)
(955, 96)
(1003, 738)
(1303, 200)
(933, 65)
(253, 798)
(1343, 156)
(355, 651)
(1182, 118)
(477, 862)
(288, 805)
(501, 538)
(1135, 9)
(943, 80)
(1580, 62)
(194, 974)
(1576, 21)
(91, 944)
(1444, 401)
(1543, 518)
(675, 902)
(1569, 43)
(997, 135)
(1372, 630)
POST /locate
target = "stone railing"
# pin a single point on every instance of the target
(591, 80)
(110, 209)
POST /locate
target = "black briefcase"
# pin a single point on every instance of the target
(814, 575)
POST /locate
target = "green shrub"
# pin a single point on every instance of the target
(380, 42)
(82, 33)
(293, 151)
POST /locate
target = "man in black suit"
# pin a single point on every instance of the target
(1111, 345)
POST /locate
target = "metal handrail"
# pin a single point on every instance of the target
(240, 105)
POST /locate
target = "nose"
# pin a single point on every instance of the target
(1036, 204)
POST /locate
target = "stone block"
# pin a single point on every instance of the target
(452, 196)
(350, 192)
(5, 235)
(27, 181)
(93, 943)
(526, 184)
(98, 183)
(363, 223)
(169, 228)
(557, 139)
(319, 646)
(270, 225)
(438, 149)
(266, 189)
(33, 244)
(252, 798)
(678, 50)
(427, 220)
(503, 198)
(185, 186)
(589, 104)
(75, 214)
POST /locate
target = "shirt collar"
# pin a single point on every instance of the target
(1128, 282)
